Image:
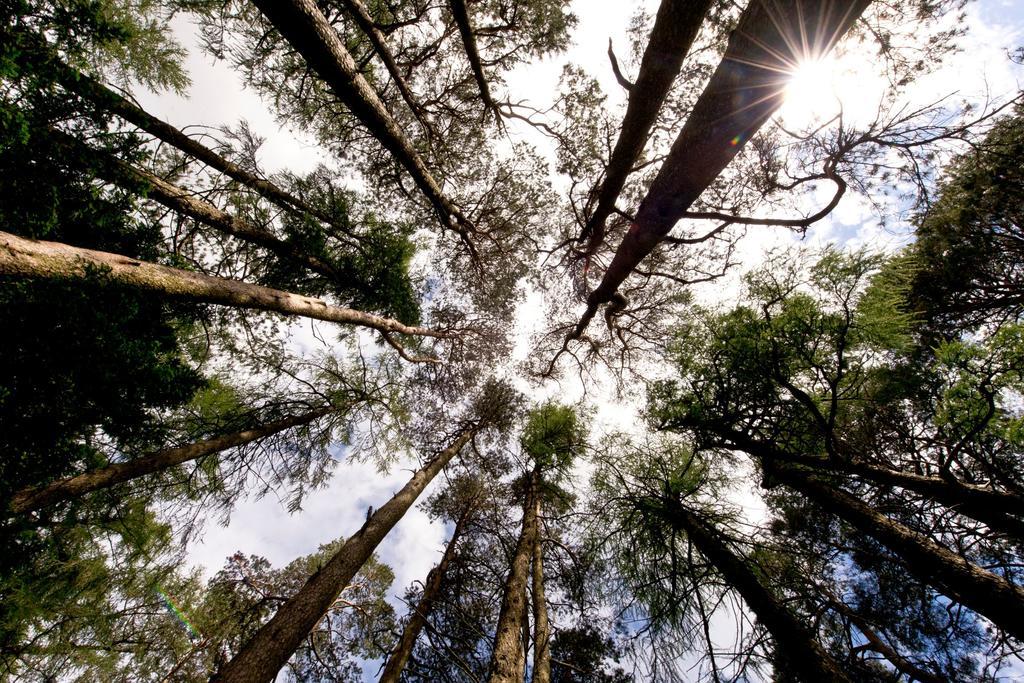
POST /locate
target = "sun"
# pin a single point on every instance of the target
(817, 89)
(810, 92)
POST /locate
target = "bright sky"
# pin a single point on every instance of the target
(217, 98)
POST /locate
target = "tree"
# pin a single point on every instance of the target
(674, 31)
(552, 437)
(580, 654)
(33, 498)
(91, 364)
(655, 514)
(470, 492)
(806, 381)
(243, 595)
(268, 649)
(759, 50)
(968, 239)
(55, 261)
(456, 642)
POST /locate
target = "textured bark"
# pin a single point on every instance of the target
(746, 88)
(675, 28)
(461, 15)
(418, 617)
(106, 98)
(305, 27)
(541, 628)
(998, 510)
(268, 649)
(984, 592)
(53, 260)
(797, 645)
(182, 201)
(37, 497)
(366, 24)
(507, 659)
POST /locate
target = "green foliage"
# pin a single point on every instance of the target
(553, 437)
(583, 655)
(969, 240)
(819, 364)
(144, 50)
(80, 612)
(130, 39)
(539, 26)
(791, 356)
(87, 368)
(637, 492)
(981, 385)
(87, 359)
(372, 266)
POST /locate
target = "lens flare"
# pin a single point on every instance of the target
(178, 614)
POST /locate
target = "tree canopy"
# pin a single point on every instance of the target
(649, 363)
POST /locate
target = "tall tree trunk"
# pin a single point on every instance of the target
(366, 24)
(541, 628)
(998, 510)
(305, 27)
(53, 260)
(507, 657)
(36, 497)
(797, 645)
(111, 101)
(984, 592)
(461, 15)
(675, 28)
(263, 655)
(186, 203)
(418, 617)
(746, 88)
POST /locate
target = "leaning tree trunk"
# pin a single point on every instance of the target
(507, 659)
(998, 510)
(53, 260)
(746, 88)
(305, 27)
(111, 101)
(366, 24)
(797, 645)
(541, 628)
(461, 15)
(263, 655)
(36, 497)
(675, 29)
(186, 203)
(418, 617)
(984, 592)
